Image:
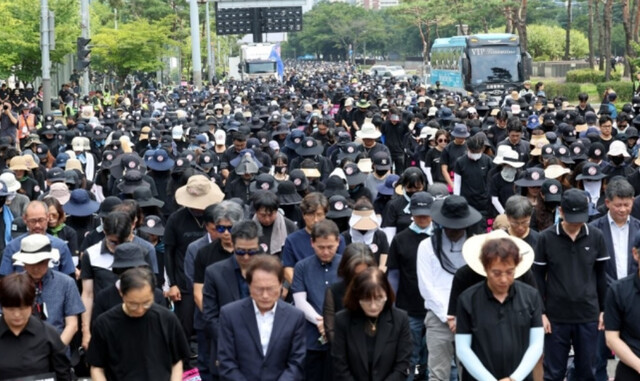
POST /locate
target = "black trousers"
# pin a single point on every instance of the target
(184, 310)
(625, 373)
(317, 366)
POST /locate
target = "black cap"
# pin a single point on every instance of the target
(381, 160)
(128, 255)
(421, 204)
(575, 206)
(552, 190)
(107, 205)
(55, 174)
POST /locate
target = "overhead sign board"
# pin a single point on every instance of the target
(238, 4)
(270, 20)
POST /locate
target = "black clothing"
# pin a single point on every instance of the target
(238, 188)
(143, 348)
(36, 350)
(496, 134)
(378, 246)
(432, 160)
(394, 135)
(207, 255)
(571, 275)
(181, 229)
(465, 277)
(378, 147)
(474, 185)
(265, 238)
(500, 188)
(110, 297)
(395, 216)
(509, 323)
(622, 310)
(403, 254)
(450, 155)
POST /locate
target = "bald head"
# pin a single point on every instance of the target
(36, 217)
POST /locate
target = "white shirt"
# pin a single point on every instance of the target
(433, 281)
(265, 325)
(620, 239)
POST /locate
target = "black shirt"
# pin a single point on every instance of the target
(378, 246)
(395, 216)
(207, 255)
(394, 135)
(265, 238)
(36, 350)
(622, 310)
(500, 188)
(432, 160)
(450, 155)
(110, 297)
(144, 348)
(182, 229)
(500, 331)
(474, 185)
(571, 276)
(465, 277)
(403, 255)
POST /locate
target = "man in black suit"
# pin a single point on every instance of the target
(225, 281)
(262, 337)
(618, 229)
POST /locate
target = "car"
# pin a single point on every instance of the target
(397, 71)
(377, 70)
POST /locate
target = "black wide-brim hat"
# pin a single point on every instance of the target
(454, 212)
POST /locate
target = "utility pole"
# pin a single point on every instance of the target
(195, 44)
(46, 63)
(211, 70)
(84, 21)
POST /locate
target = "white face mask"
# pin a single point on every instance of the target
(474, 156)
(508, 174)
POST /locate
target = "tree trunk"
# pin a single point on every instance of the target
(508, 15)
(626, 24)
(567, 38)
(636, 20)
(590, 35)
(608, 5)
(520, 23)
(600, 39)
(485, 25)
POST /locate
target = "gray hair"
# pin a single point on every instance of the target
(619, 187)
(228, 210)
(518, 207)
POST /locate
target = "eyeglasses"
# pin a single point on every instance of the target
(135, 306)
(443, 140)
(267, 214)
(221, 228)
(245, 252)
(39, 221)
(377, 301)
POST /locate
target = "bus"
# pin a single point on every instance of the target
(490, 63)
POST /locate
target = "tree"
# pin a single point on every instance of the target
(20, 52)
(135, 46)
(608, 5)
(567, 43)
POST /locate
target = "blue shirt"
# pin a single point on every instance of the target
(64, 265)
(243, 287)
(297, 247)
(61, 298)
(314, 277)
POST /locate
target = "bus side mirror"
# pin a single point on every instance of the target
(466, 69)
(528, 65)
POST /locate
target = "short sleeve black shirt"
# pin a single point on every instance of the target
(622, 310)
(500, 331)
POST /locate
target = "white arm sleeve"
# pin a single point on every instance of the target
(457, 184)
(390, 231)
(496, 204)
(427, 172)
(532, 355)
(472, 363)
(300, 300)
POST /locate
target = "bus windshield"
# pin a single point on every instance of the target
(495, 64)
(261, 67)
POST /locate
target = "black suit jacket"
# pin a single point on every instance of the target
(391, 354)
(602, 223)
(220, 288)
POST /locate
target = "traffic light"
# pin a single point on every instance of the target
(83, 52)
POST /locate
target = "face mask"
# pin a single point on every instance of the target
(280, 169)
(153, 143)
(409, 194)
(381, 173)
(474, 156)
(508, 174)
(617, 160)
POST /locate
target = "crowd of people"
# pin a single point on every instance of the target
(331, 226)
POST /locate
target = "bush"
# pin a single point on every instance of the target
(590, 76)
(568, 89)
(623, 89)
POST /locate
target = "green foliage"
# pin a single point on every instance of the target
(590, 76)
(135, 46)
(623, 89)
(568, 89)
(20, 35)
(547, 42)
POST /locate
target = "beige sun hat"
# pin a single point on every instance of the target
(199, 193)
(473, 247)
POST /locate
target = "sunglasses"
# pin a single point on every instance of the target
(250, 252)
(221, 228)
(443, 140)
